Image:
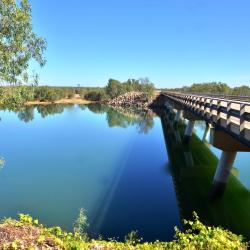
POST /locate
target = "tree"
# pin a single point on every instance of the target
(114, 88)
(242, 90)
(96, 95)
(18, 43)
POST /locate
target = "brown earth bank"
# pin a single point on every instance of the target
(75, 100)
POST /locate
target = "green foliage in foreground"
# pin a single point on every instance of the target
(197, 236)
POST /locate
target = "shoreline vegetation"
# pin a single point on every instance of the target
(17, 96)
(27, 233)
(130, 94)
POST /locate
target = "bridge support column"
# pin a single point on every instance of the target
(178, 117)
(206, 132)
(188, 132)
(222, 173)
(169, 109)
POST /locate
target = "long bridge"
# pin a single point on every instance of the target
(227, 120)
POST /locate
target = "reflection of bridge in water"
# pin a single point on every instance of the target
(202, 182)
(192, 167)
(228, 122)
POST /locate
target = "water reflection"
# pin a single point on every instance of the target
(2, 162)
(26, 114)
(143, 121)
(193, 168)
(125, 184)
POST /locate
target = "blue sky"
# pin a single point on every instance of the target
(173, 42)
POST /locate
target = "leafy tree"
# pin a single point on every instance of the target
(18, 43)
(207, 87)
(15, 97)
(96, 95)
(146, 86)
(114, 88)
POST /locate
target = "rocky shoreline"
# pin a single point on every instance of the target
(132, 100)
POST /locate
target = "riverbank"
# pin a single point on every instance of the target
(74, 100)
(27, 233)
(129, 100)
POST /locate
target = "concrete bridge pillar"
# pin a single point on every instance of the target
(222, 173)
(170, 111)
(188, 132)
(229, 147)
(178, 117)
(206, 132)
(177, 136)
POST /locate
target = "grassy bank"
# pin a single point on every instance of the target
(27, 233)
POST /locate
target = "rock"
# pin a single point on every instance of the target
(133, 100)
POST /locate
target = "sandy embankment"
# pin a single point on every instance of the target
(75, 100)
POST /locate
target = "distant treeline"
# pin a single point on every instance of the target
(115, 88)
(14, 96)
(215, 88)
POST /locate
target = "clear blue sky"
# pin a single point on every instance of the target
(173, 42)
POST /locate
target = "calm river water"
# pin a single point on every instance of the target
(117, 166)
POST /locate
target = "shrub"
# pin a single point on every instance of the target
(71, 95)
(198, 236)
(46, 93)
(96, 95)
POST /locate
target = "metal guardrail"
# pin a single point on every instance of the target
(227, 113)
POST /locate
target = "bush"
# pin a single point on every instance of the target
(96, 95)
(198, 236)
(71, 95)
(46, 93)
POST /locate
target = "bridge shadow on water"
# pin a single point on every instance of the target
(193, 167)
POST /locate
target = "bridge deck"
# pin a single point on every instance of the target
(233, 116)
